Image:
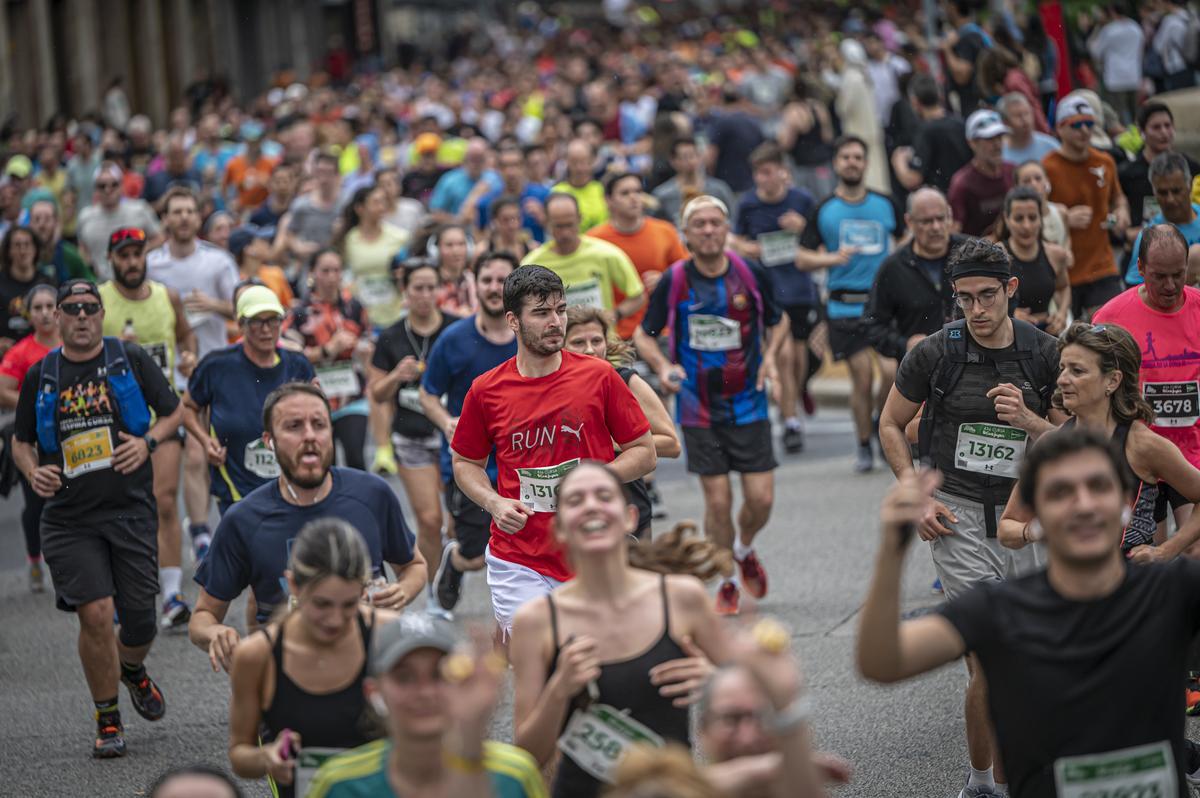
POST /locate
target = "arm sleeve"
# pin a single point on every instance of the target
(397, 539)
(970, 614)
(656, 310)
(878, 316)
(437, 369)
(383, 358)
(149, 221)
(199, 387)
(302, 370)
(622, 413)
(471, 437)
(25, 423)
(912, 376)
(225, 570)
(159, 394)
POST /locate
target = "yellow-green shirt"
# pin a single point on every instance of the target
(590, 272)
(593, 210)
(153, 322)
(369, 272)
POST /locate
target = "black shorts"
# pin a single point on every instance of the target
(847, 337)
(115, 557)
(1167, 496)
(1093, 295)
(803, 319)
(713, 451)
(639, 496)
(472, 524)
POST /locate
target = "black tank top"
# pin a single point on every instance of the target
(323, 720)
(639, 494)
(1142, 526)
(1037, 280)
(626, 686)
(810, 149)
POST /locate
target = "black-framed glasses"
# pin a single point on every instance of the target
(985, 300)
(269, 323)
(74, 308)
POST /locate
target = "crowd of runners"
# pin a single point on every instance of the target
(231, 347)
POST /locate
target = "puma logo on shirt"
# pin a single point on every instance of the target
(578, 433)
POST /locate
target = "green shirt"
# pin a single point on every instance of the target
(593, 209)
(362, 773)
(590, 272)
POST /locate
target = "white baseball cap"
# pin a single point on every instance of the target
(985, 124)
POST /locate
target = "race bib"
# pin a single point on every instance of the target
(339, 381)
(539, 486)
(260, 461)
(87, 451)
(863, 234)
(778, 248)
(376, 290)
(586, 294)
(1176, 404)
(598, 737)
(308, 761)
(1144, 771)
(410, 399)
(713, 333)
(992, 449)
(159, 353)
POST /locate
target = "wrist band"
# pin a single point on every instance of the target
(792, 716)
(462, 764)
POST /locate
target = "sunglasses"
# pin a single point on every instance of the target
(73, 308)
(1083, 123)
(106, 185)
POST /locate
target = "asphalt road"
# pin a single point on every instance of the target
(905, 740)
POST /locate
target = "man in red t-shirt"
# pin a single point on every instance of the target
(543, 411)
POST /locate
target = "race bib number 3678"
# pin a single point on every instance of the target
(1176, 404)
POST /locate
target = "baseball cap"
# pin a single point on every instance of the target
(126, 236)
(394, 641)
(1073, 108)
(985, 124)
(427, 143)
(78, 286)
(19, 167)
(258, 299)
(241, 237)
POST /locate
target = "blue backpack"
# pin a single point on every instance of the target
(131, 403)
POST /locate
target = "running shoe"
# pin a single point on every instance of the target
(175, 614)
(385, 462)
(728, 599)
(37, 577)
(658, 509)
(448, 579)
(147, 698)
(980, 791)
(110, 741)
(754, 576)
(864, 461)
(793, 440)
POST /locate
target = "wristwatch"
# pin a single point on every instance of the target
(151, 442)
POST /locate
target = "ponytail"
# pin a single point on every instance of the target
(683, 550)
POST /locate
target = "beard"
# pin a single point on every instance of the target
(852, 181)
(535, 344)
(131, 279)
(487, 311)
(289, 467)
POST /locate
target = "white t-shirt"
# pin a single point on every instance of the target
(97, 224)
(1118, 47)
(209, 270)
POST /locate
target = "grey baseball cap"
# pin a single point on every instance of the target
(397, 639)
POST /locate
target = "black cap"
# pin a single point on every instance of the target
(78, 286)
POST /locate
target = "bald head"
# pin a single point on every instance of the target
(928, 216)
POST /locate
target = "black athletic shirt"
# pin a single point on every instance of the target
(396, 343)
(1067, 678)
(1036, 281)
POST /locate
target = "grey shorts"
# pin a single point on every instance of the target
(417, 452)
(969, 556)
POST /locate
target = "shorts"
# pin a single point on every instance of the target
(803, 318)
(1094, 294)
(511, 586)
(115, 557)
(714, 451)
(1167, 495)
(417, 452)
(472, 524)
(969, 556)
(847, 337)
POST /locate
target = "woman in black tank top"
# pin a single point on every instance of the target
(1040, 267)
(1098, 386)
(599, 643)
(304, 672)
(587, 334)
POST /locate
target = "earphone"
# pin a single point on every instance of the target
(271, 444)
(378, 705)
(431, 246)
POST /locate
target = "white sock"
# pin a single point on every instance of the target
(170, 580)
(1002, 788)
(741, 550)
(793, 422)
(981, 777)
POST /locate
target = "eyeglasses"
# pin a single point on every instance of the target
(107, 185)
(733, 719)
(73, 308)
(261, 325)
(1083, 123)
(985, 300)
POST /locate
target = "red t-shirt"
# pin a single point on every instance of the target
(541, 428)
(21, 357)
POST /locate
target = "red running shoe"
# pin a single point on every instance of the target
(727, 599)
(753, 576)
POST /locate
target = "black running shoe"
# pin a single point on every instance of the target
(147, 698)
(793, 440)
(110, 740)
(448, 579)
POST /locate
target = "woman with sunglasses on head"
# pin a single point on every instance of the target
(631, 637)
(1040, 267)
(333, 330)
(587, 334)
(451, 249)
(39, 307)
(20, 253)
(1098, 386)
(394, 377)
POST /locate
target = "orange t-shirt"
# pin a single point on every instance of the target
(250, 179)
(653, 248)
(1094, 183)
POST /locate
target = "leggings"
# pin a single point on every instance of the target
(31, 520)
(351, 432)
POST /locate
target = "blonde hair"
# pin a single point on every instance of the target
(618, 352)
(668, 772)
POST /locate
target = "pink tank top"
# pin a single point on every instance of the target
(1170, 376)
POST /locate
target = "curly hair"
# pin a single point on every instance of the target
(668, 772)
(1117, 352)
(618, 352)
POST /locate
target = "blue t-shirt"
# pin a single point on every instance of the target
(868, 225)
(454, 186)
(460, 355)
(1191, 232)
(531, 191)
(789, 285)
(235, 390)
(1038, 148)
(253, 542)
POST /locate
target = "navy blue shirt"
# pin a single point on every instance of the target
(253, 542)
(757, 220)
(235, 390)
(460, 355)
